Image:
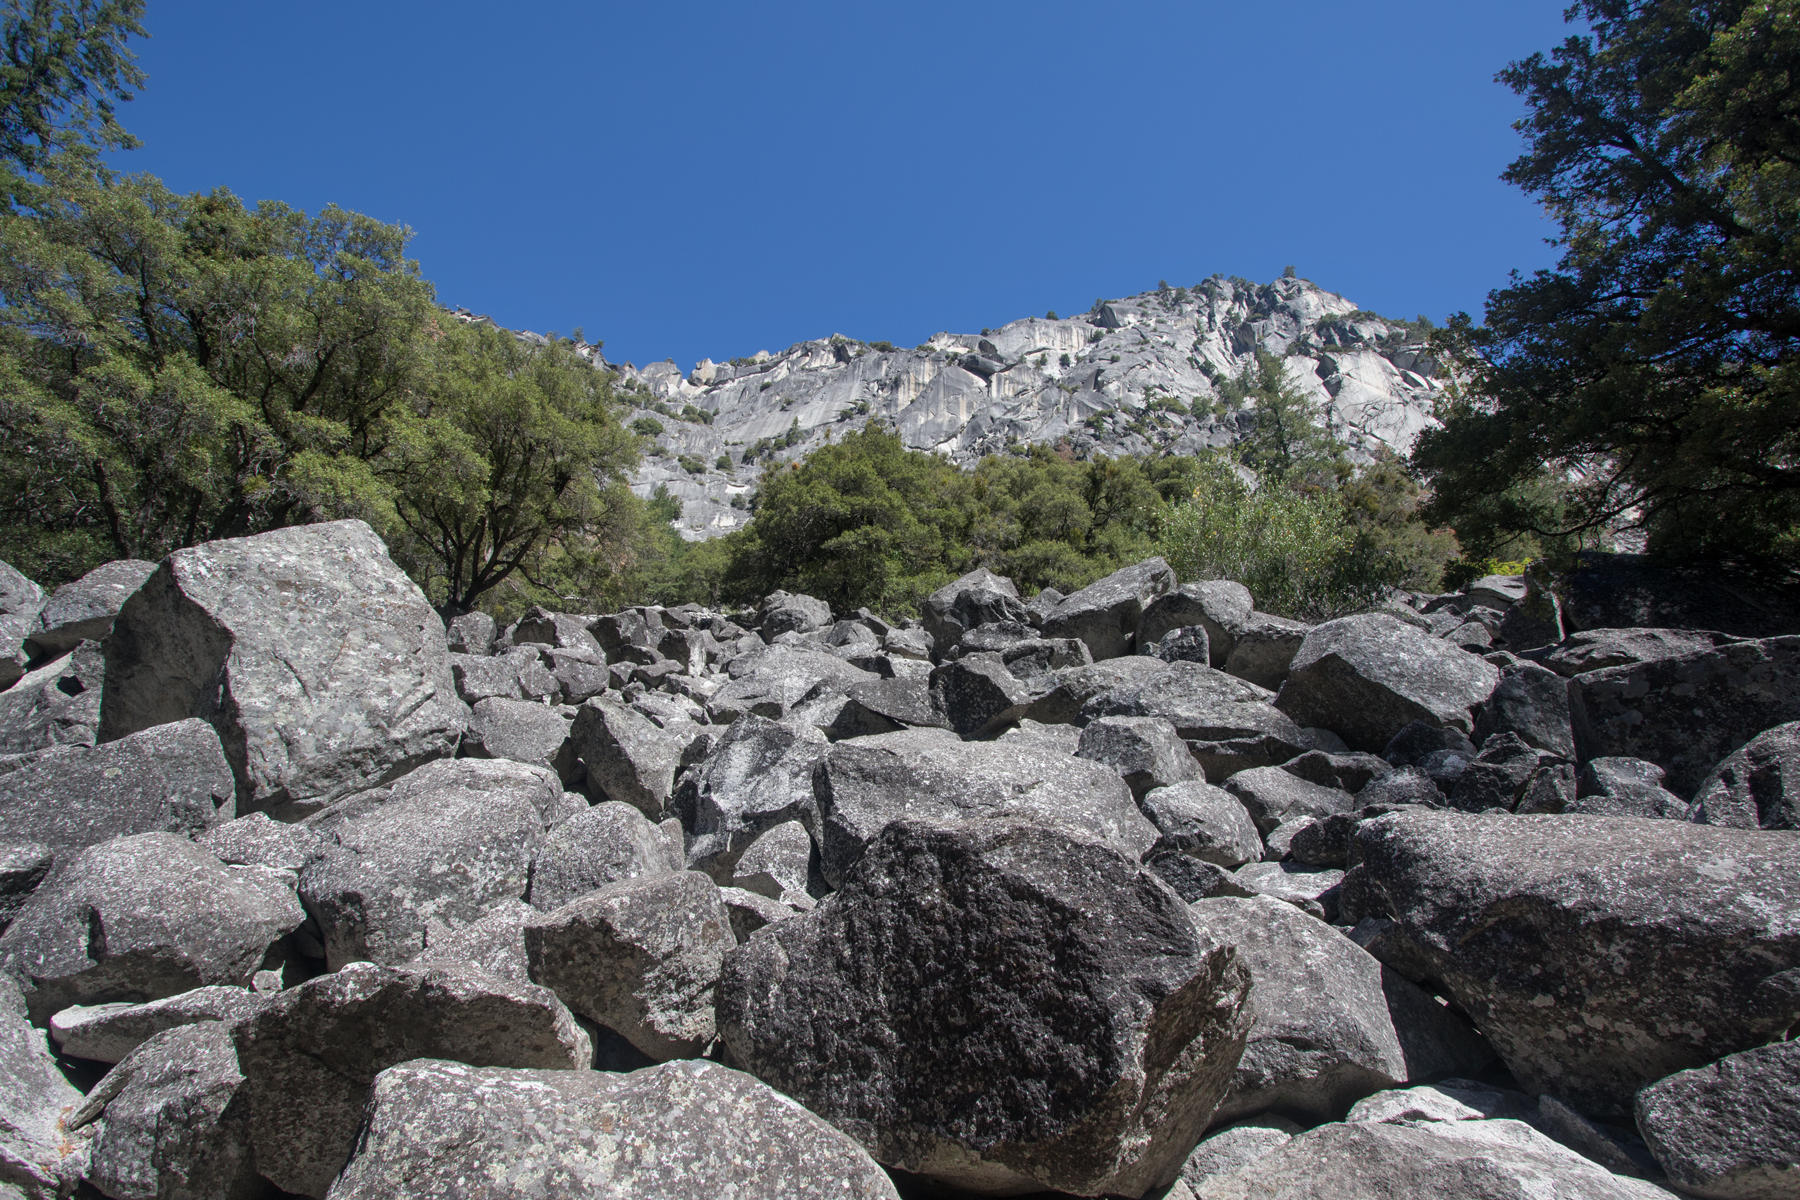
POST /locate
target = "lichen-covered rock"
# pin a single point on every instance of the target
(978, 696)
(309, 1057)
(143, 917)
(1218, 606)
(775, 681)
(1365, 677)
(1208, 823)
(1104, 615)
(1263, 648)
(174, 1124)
(1237, 1145)
(999, 1005)
(170, 779)
(494, 945)
(523, 731)
(83, 609)
(865, 784)
(1756, 787)
(1688, 712)
(1229, 724)
(978, 598)
(1147, 752)
(1273, 797)
(758, 776)
(629, 758)
(1729, 1130)
(679, 1131)
(1330, 1025)
(640, 957)
(431, 853)
(788, 612)
(322, 666)
(602, 845)
(1597, 954)
(1532, 702)
(108, 1032)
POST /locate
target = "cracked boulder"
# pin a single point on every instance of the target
(1104, 615)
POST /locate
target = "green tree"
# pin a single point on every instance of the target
(1651, 376)
(64, 66)
(1287, 439)
(502, 466)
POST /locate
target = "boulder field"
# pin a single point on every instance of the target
(1136, 892)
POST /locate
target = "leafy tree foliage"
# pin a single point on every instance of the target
(64, 66)
(1652, 374)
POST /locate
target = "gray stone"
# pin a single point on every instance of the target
(36, 1107)
(1229, 724)
(1729, 1130)
(1329, 1024)
(978, 598)
(432, 852)
(169, 779)
(58, 704)
(602, 845)
(865, 784)
(470, 633)
(15, 659)
(778, 864)
(1446, 1100)
(23, 865)
(516, 674)
(523, 731)
(786, 612)
(315, 1050)
(1625, 787)
(143, 917)
(1597, 954)
(322, 666)
(562, 631)
(1510, 776)
(775, 681)
(1186, 644)
(1066, 691)
(1218, 606)
(1104, 615)
(1263, 649)
(1234, 1146)
(1598, 649)
(978, 695)
(1274, 796)
(1194, 878)
(640, 957)
(995, 637)
(757, 777)
(1312, 890)
(1445, 1160)
(1365, 677)
(18, 594)
(256, 840)
(749, 911)
(108, 1032)
(1350, 770)
(1195, 818)
(629, 758)
(1036, 660)
(83, 611)
(1532, 702)
(1405, 785)
(494, 945)
(887, 706)
(1050, 1017)
(1756, 787)
(679, 1131)
(1147, 752)
(1687, 713)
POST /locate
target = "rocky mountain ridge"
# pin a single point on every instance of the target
(1137, 375)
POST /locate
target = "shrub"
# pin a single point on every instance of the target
(646, 426)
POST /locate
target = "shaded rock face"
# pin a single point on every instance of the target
(58, 704)
(171, 778)
(142, 917)
(1023, 1007)
(36, 1104)
(1699, 930)
(978, 598)
(1104, 615)
(866, 784)
(322, 666)
(309, 1058)
(1687, 712)
(1365, 677)
(680, 1131)
(1756, 787)
(1730, 1129)
(84, 610)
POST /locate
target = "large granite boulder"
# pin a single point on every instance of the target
(309, 1058)
(1687, 712)
(1204, 822)
(1329, 1024)
(83, 610)
(1218, 606)
(998, 1005)
(1596, 953)
(1756, 787)
(978, 598)
(1365, 677)
(1729, 1130)
(175, 1123)
(171, 778)
(640, 957)
(1598, 649)
(598, 846)
(775, 681)
(789, 612)
(865, 784)
(1104, 615)
(1147, 752)
(430, 853)
(679, 1131)
(109, 1032)
(758, 776)
(36, 1107)
(323, 667)
(143, 917)
(523, 731)
(1229, 724)
(57, 704)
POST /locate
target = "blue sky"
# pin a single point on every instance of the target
(710, 179)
